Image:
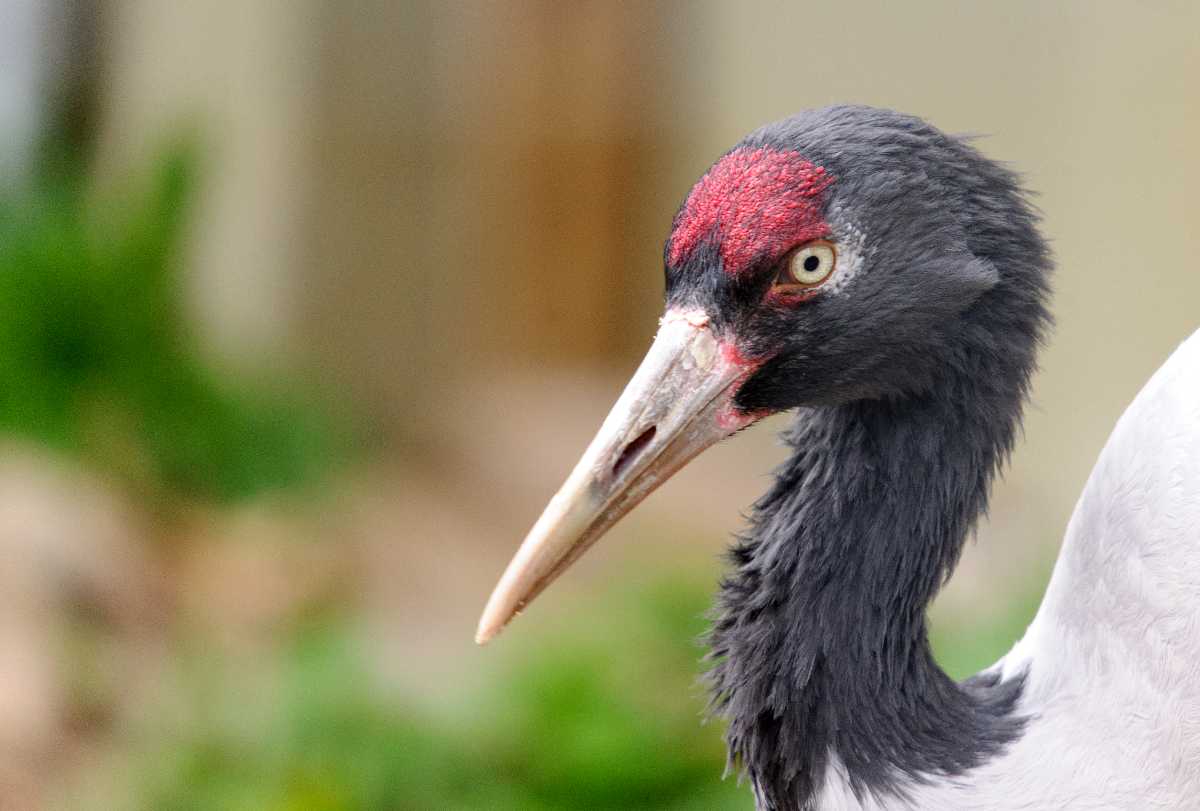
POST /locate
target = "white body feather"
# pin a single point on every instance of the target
(1113, 655)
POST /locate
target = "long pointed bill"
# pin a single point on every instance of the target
(678, 403)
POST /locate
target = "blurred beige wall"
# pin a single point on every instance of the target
(481, 193)
(23, 69)
(240, 76)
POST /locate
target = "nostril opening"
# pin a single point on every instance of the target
(633, 449)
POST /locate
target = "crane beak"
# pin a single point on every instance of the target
(679, 402)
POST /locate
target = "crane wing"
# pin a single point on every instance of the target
(1112, 659)
(1127, 580)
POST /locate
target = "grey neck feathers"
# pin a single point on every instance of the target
(820, 642)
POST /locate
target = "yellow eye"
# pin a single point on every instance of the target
(808, 266)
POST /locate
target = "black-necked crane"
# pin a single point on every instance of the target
(889, 284)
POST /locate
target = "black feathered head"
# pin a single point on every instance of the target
(838, 251)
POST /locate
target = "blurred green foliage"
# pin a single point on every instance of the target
(96, 361)
(608, 719)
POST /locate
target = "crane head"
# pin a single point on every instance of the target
(821, 260)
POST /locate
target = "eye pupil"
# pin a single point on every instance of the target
(806, 267)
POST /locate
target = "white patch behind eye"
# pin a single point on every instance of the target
(851, 252)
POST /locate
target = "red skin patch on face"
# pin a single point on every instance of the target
(730, 417)
(790, 298)
(754, 203)
(734, 357)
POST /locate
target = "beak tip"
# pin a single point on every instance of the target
(485, 634)
(492, 622)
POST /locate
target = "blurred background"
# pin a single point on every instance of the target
(306, 308)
